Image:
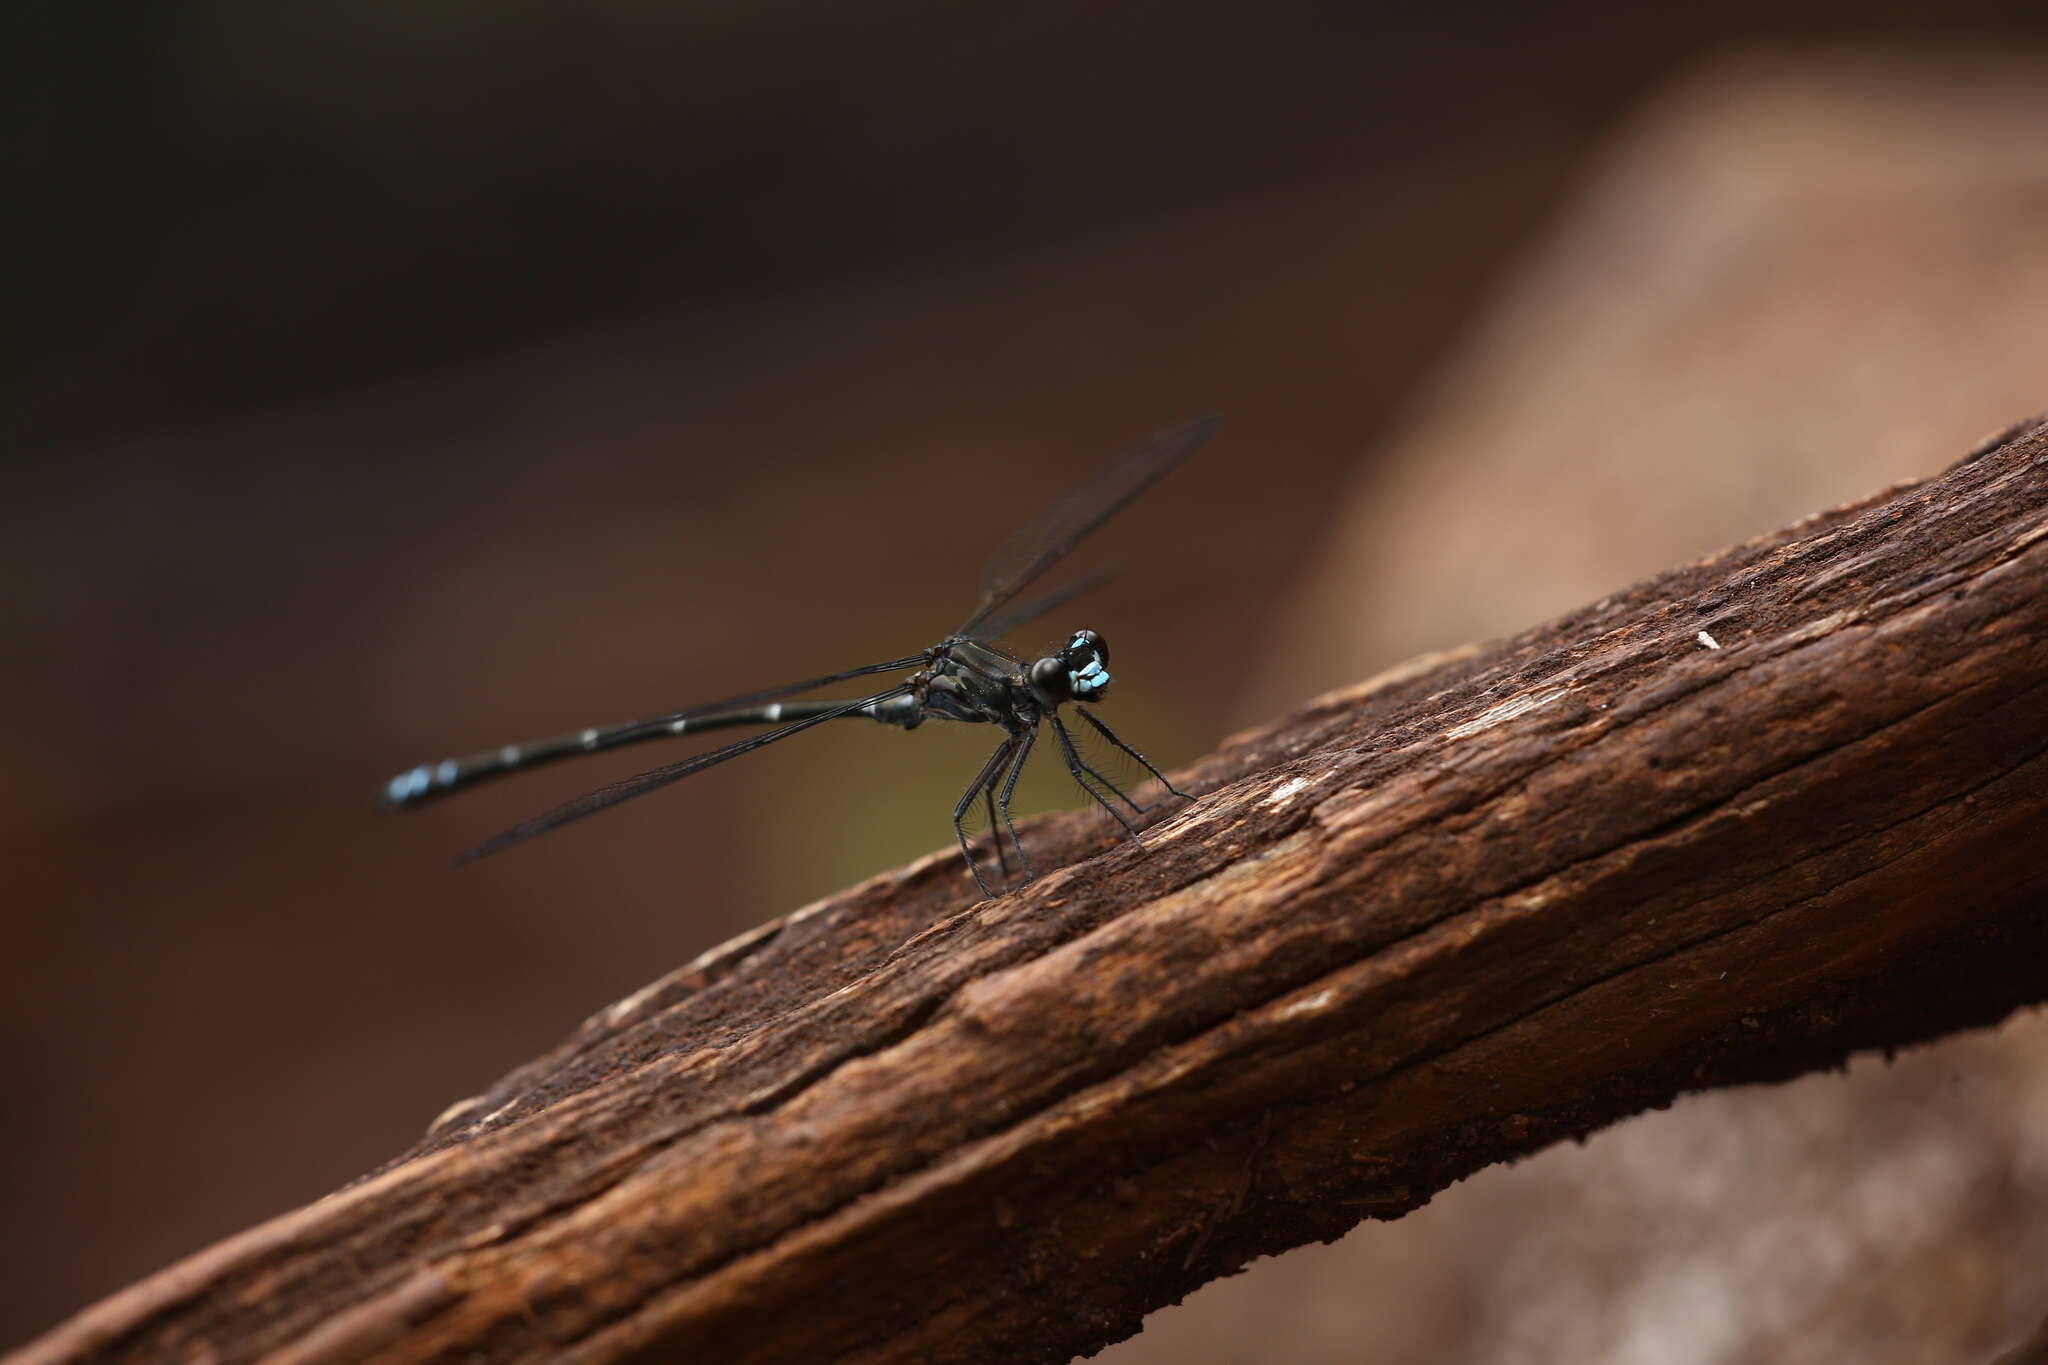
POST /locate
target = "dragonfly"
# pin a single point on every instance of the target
(967, 677)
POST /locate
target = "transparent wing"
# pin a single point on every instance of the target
(788, 689)
(432, 781)
(1024, 613)
(1036, 548)
(606, 797)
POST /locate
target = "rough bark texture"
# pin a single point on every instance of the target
(1729, 825)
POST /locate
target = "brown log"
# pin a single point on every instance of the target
(2031, 1350)
(1729, 825)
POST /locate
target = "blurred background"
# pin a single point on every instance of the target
(384, 381)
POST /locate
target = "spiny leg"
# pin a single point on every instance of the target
(1024, 743)
(974, 789)
(1078, 765)
(988, 797)
(1110, 735)
(1082, 772)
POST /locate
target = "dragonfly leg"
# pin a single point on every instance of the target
(1024, 742)
(1110, 735)
(1082, 772)
(975, 788)
(988, 797)
(1078, 765)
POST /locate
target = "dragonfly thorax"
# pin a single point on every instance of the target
(1079, 672)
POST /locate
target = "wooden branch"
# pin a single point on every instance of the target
(1729, 825)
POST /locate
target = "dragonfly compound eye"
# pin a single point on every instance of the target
(1049, 679)
(1086, 658)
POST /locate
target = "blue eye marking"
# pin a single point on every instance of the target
(1092, 678)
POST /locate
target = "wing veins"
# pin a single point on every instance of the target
(1063, 525)
(627, 788)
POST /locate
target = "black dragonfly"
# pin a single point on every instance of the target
(965, 677)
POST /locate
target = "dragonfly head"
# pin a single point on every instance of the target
(1079, 672)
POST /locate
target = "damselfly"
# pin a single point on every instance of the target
(966, 677)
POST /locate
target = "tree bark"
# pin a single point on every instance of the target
(1729, 825)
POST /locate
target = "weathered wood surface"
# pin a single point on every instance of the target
(1729, 825)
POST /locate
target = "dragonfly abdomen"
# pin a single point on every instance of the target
(416, 786)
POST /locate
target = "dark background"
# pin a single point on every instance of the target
(385, 381)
